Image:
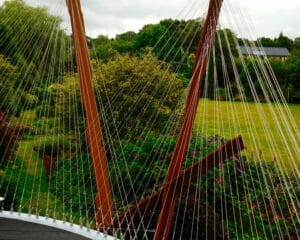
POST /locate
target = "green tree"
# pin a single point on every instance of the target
(11, 96)
(38, 38)
(282, 75)
(267, 42)
(225, 47)
(297, 42)
(7, 44)
(296, 47)
(127, 36)
(8, 77)
(293, 66)
(149, 36)
(141, 92)
(284, 41)
(133, 93)
(105, 47)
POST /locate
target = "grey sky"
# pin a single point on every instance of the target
(248, 18)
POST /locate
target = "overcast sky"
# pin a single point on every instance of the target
(248, 18)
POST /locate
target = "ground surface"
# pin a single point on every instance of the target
(258, 126)
(17, 230)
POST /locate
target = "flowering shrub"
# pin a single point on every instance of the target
(254, 195)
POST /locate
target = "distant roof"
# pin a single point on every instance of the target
(265, 51)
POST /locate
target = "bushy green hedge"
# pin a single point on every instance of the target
(52, 145)
(73, 183)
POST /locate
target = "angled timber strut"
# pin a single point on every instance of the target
(103, 199)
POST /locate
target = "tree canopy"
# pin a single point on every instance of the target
(133, 94)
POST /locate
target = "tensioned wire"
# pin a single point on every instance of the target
(188, 13)
(46, 111)
(249, 130)
(276, 83)
(133, 90)
(225, 83)
(233, 105)
(287, 125)
(40, 179)
(25, 76)
(28, 71)
(133, 106)
(229, 109)
(26, 179)
(178, 214)
(284, 179)
(198, 133)
(79, 162)
(290, 122)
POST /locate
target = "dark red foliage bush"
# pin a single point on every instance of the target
(50, 165)
(8, 138)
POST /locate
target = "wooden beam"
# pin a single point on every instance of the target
(183, 181)
(103, 199)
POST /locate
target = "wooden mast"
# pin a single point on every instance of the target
(103, 199)
(179, 154)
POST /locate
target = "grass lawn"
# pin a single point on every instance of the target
(32, 187)
(35, 189)
(264, 128)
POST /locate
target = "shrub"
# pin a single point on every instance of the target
(8, 138)
(142, 164)
(74, 183)
(47, 111)
(53, 146)
(132, 167)
(253, 194)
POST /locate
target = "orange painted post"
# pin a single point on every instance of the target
(179, 154)
(103, 199)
